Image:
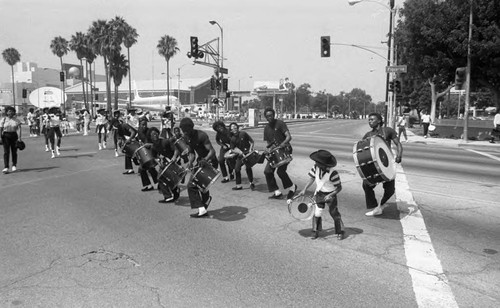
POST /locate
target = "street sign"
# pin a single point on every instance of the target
(396, 69)
(223, 70)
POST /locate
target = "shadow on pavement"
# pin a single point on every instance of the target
(36, 169)
(330, 232)
(229, 213)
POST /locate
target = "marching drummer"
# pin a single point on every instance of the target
(388, 134)
(277, 135)
(200, 148)
(126, 134)
(164, 149)
(241, 144)
(328, 185)
(223, 138)
(145, 171)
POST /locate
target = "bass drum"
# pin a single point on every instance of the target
(302, 208)
(374, 160)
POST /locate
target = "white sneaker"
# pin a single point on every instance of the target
(100, 147)
(375, 212)
(116, 153)
(53, 155)
(14, 168)
(5, 170)
(46, 148)
(57, 151)
(104, 145)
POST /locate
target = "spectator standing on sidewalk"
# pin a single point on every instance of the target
(10, 132)
(425, 119)
(496, 127)
(402, 127)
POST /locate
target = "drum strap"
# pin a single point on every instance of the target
(320, 182)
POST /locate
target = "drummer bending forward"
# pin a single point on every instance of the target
(388, 134)
(328, 185)
(241, 144)
(201, 147)
(277, 135)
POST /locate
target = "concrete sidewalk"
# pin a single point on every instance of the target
(448, 142)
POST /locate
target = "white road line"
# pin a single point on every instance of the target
(430, 284)
(484, 154)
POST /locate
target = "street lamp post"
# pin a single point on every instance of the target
(390, 47)
(220, 63)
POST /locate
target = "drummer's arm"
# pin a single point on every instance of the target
(287, 139)
(176, 153)
(399, 150)
(210, 148)
(308, 184)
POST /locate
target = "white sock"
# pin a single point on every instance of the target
(277, 192)
(202, 210)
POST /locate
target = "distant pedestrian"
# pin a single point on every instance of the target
(65, 126)
(54, 130)
(45, 127)
(86, 122)
(425, 118)
(402, 127)
(101, 123)
(496, 126)
(10, 132)
(31, 122)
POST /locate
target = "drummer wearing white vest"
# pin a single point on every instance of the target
(388, 134)
(328, 185)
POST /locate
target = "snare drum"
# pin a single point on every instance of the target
(172, 175)
(145, 157)
(130, 148)
(374, 160)
(205, 176)
(251, 159)
(278, 157)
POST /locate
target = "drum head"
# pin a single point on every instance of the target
(384, 158)
(302, 208)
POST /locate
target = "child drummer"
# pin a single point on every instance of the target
(328, 185)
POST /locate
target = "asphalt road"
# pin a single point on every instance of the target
(78, 233)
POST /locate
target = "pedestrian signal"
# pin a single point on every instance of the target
(224, 84)
(25, 93)
(460, 77)
(391, 86)
(325, 46)
(397, 86)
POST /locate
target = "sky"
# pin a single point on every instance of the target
(263, 39)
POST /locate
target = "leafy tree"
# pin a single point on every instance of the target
(432, 39)
(12, 56)
(167, 48)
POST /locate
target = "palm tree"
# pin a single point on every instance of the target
(90, 57)
(118, 69)
(12, 56)
(78, 44)
(59, 47)
(129, 39)
(106, 42)
(167, 47)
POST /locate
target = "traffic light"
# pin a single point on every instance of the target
(217, 84)
(195, 52)
(25, 93)
(61, 76)
(391, 86)
(460, 77)
(397, 86)
(325, 46)
(212, 83)
(224, 84)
